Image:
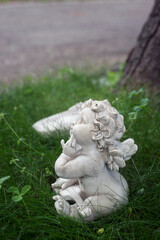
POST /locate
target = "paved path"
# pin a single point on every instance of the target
(39, 36)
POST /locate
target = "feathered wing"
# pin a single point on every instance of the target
(128, 148)
(121, 152)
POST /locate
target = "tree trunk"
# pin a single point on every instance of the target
(143, 62)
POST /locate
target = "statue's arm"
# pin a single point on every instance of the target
(63, 183)
(66, 167)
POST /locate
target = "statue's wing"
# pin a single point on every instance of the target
(120, 153)
(128, 148)
(59, 121)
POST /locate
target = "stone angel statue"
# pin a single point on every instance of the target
(89, 184)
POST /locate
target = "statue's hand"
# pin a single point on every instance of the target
(59, 182)
(63, 183)
(71, 148)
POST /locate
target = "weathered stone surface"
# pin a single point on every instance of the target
(88, 168)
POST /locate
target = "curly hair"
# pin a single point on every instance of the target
(108, 130)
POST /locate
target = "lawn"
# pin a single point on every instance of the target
(27, 159)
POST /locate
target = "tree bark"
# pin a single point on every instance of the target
(143, 62)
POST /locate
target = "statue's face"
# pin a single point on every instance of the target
(82, 128)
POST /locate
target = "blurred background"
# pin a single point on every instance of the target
(38, 36)
(53, 55)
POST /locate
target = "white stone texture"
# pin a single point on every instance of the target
(88, 168)
(59, 121)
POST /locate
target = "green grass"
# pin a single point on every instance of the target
(35, 217)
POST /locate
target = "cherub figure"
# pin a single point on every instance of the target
(90, 184)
